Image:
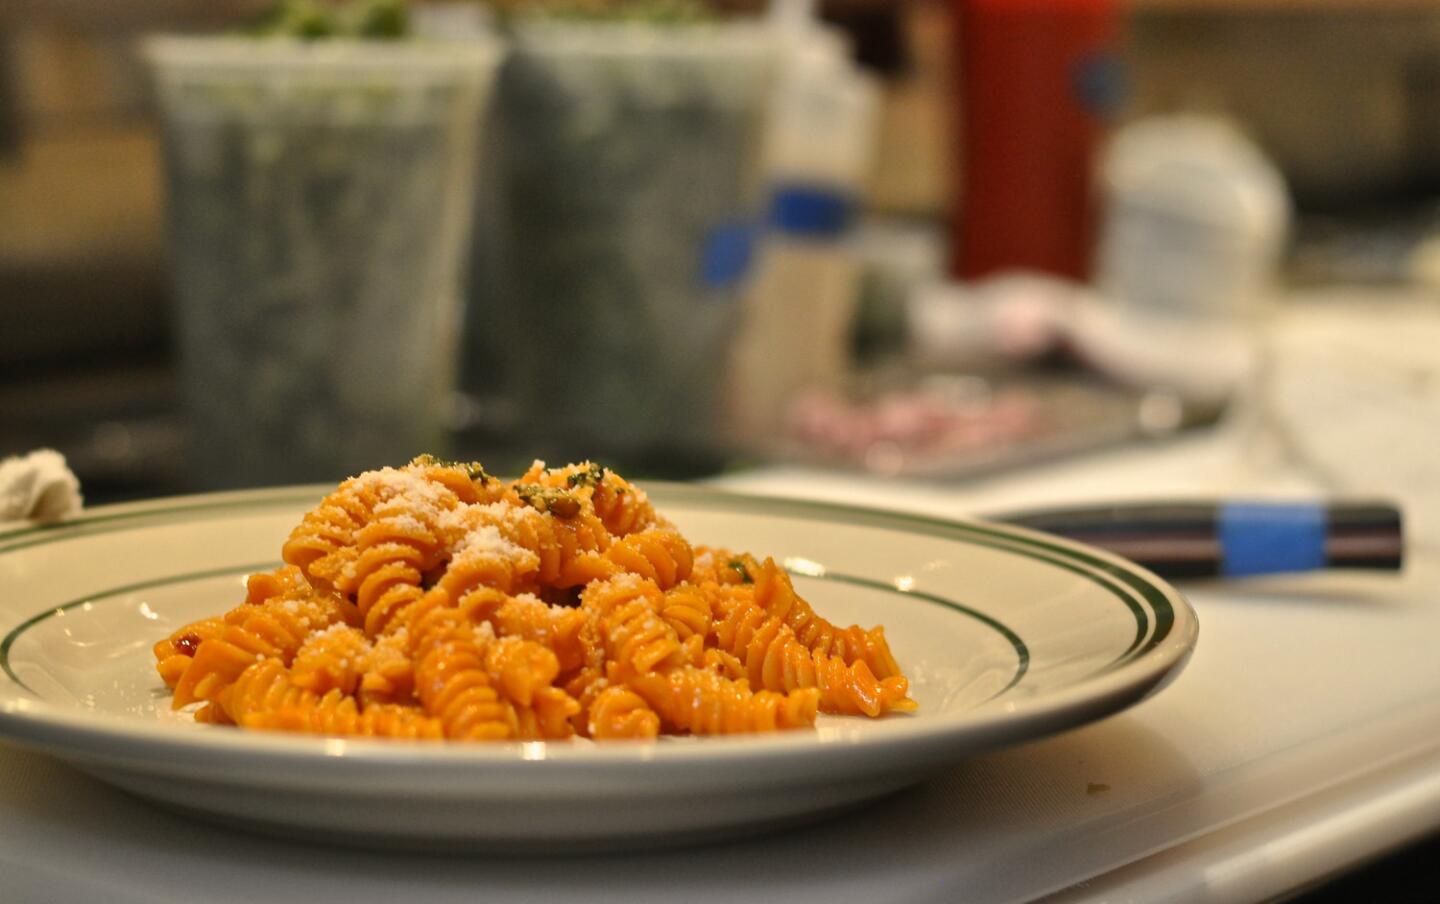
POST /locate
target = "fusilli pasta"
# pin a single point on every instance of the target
(437, 601)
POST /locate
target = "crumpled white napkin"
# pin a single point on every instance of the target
(38, 487)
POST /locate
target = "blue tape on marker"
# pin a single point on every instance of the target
(1269, 538)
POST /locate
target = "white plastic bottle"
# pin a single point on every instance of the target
(797, 313)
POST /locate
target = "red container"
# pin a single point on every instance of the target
(1036, 80)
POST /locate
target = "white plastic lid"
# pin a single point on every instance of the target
(1199, 168)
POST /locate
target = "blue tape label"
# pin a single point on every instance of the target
(1269, 538)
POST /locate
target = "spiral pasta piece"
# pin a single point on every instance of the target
(324, 531)
(284, 581)
(566, 548)
(174, 654)
(387, 671)
(717, 565)
(783, 663)
(633, 632)
(622, 507)
(722, 663)
(556, 627)
(468, 480)
(385, 577)
(775, 659)
(485, 559)
(332, 659)
(275, 628)
(774, 592)
(453, 685)
(265, 698)
(549, 717)
(688, 610)
(701, 702)
(520, 667)
(658, 554)
(584, 686)
(392, 504)
(619, 712)
(581, 476)
(262, 687)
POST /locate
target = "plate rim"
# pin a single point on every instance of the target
(26, 719)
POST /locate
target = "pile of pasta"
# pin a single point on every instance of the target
(437, 601)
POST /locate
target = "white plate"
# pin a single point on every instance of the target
(1006, 635)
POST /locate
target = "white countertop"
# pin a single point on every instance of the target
(1303, 738)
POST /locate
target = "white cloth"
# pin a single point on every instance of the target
(38, 487)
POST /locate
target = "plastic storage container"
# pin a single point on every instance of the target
(1196, 219)
(626, 172)
(320, 197)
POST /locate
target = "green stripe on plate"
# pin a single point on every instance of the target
(1128, 586)
(111, 593)
(1022, 652)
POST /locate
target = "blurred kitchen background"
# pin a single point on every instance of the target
(914, 238)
